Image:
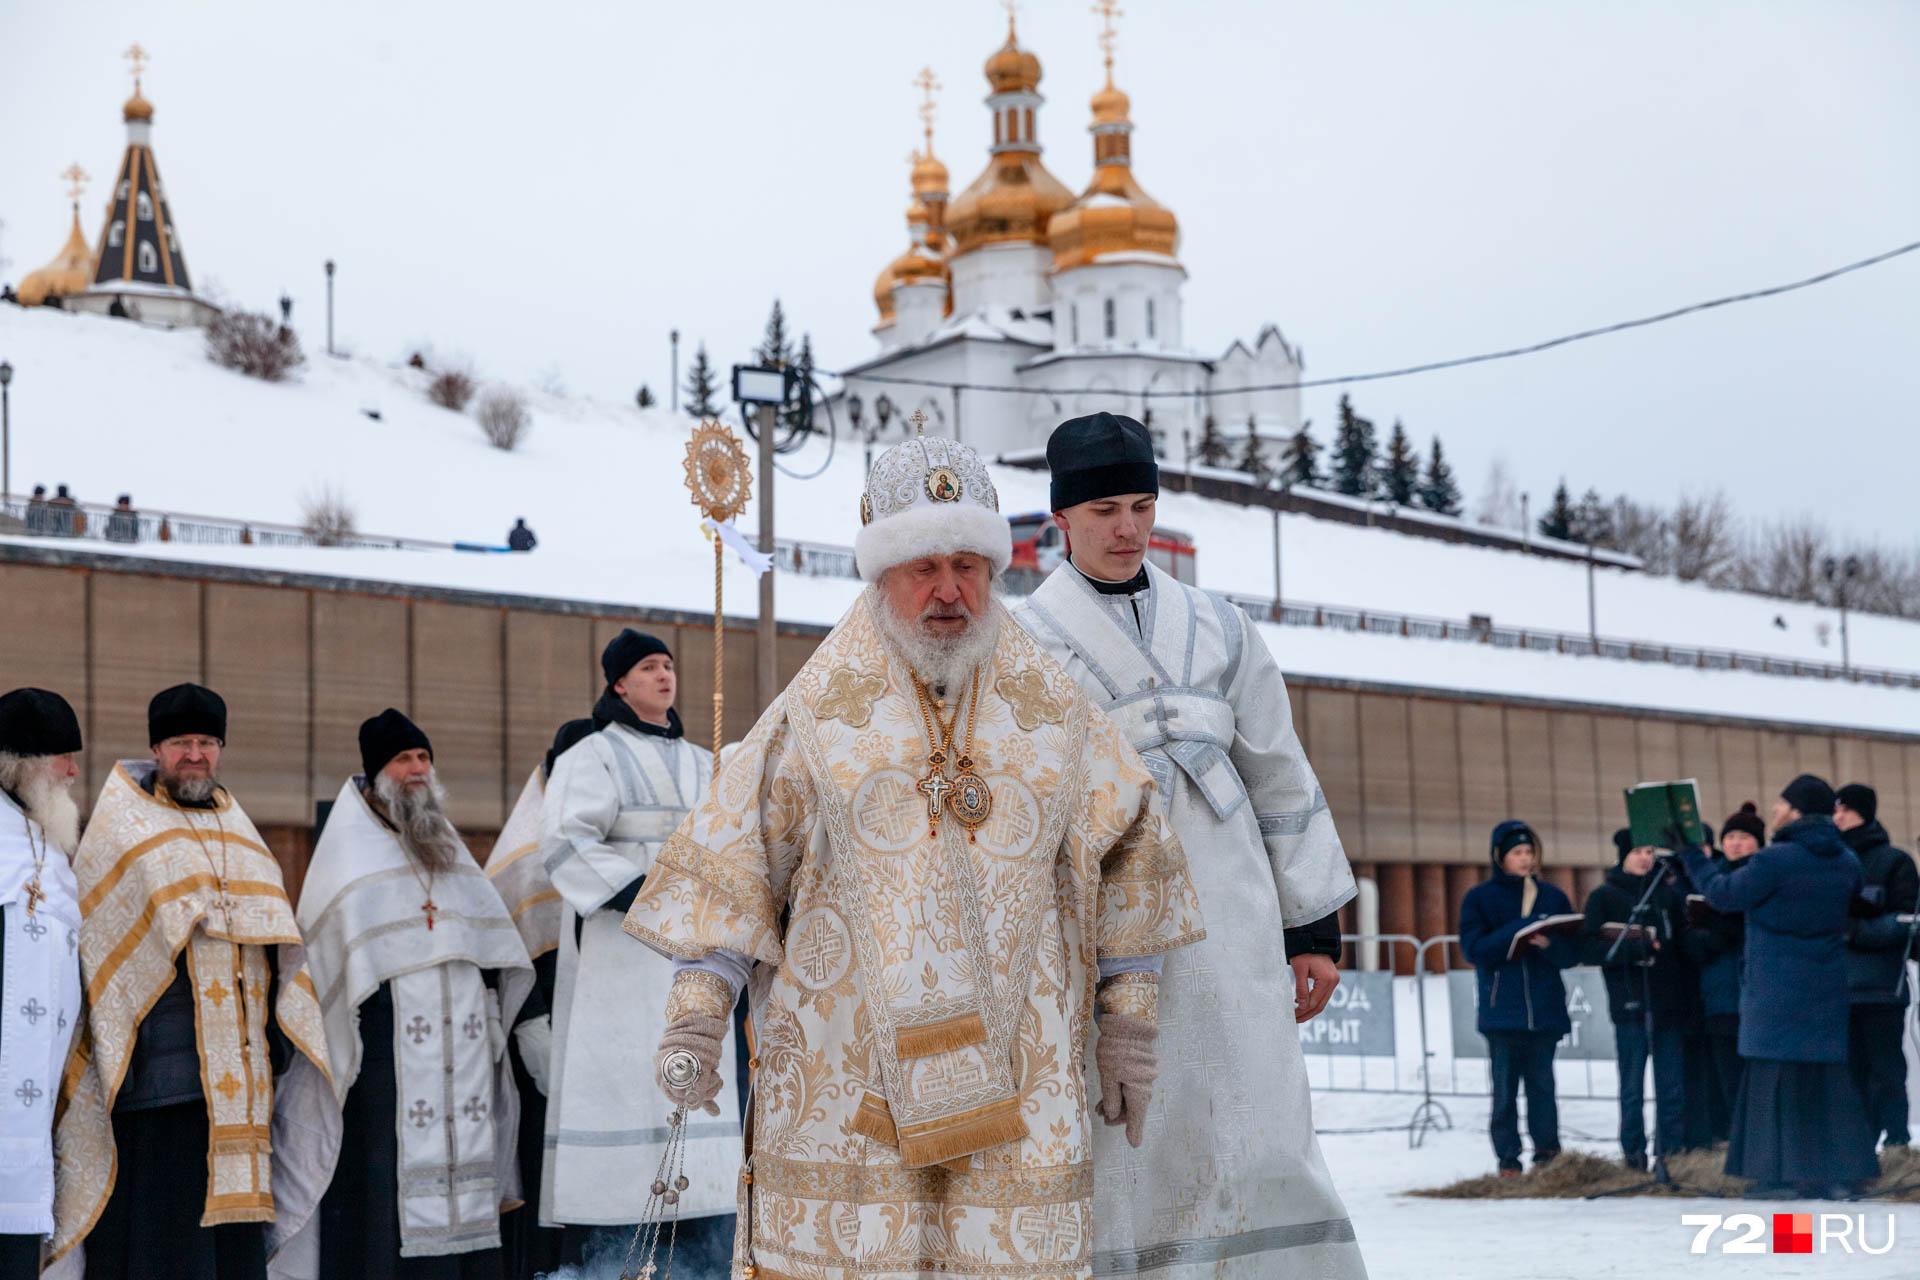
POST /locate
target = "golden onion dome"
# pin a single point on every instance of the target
(929, 175)
(1012, 69)
(1013, 200)
(70, 272)
(920, 262)
(137, 107)
(1114, 215)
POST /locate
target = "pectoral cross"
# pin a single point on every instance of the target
(919, 420)
(35, 895)
(429, 907)
(936, 788)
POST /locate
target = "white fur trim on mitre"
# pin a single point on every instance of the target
(933, 531)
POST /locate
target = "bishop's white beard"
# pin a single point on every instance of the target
(942, 662)
(420, 813)
(47, 800)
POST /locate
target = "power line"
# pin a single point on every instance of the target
(1407, 370)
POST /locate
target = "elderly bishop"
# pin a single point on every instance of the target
(397, 1159)
(939, 864)
(1230, 1181)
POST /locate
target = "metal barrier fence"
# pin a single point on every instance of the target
(1384, 1031)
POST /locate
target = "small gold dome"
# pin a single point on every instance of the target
(70, 272)
(1110, 106)
(137, 107)
(1012, 69)
(929, 175)
(921, 261)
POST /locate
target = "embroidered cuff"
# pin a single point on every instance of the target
(696, 991)
(1135, 994)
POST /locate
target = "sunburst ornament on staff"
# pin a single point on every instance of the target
(720, 482)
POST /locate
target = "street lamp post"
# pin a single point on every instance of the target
(882, 410)
(1838, 574)
(856, 409)
(330, 306)
(1284, 493)
(6, 431)
(674, 337)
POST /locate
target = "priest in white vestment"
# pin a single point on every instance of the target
(614, 798)
(397, 1160)
(1230, 1181)
(935, 862)
(39, 957)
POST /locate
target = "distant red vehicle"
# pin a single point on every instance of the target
(1039, 546)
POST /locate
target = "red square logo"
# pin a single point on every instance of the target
(1793, 1233)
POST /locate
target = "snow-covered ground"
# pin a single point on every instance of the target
(109, 407)
(1404, 1237)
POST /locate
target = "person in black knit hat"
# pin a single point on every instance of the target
(1877, 949)
(1644, 973)
(1798, 1126)
(1715, 942)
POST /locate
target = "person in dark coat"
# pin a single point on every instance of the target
(1877, 949)
(1644, 973)
(520, 537)
(1716, 942)
(38, 519)
(1798, 1124)
(123, 524)
(1523, 1000)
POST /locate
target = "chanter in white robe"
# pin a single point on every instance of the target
(1230, 1181)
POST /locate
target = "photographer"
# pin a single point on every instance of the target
(1798, 1127)
(1644, 973)
(1716, 945)
(1877, 963)
(1522, 1001)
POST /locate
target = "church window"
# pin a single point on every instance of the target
(996, 130)
(1150, 328)
(146, 207)
(1073, 312)
(1109, 317)
(1029, 124)
(116, 234)
(149, 260)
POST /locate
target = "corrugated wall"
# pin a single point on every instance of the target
(1415, 781)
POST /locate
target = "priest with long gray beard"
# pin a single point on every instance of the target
(39, 960)
(398, 1158)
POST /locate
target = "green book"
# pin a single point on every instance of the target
(1652, 807)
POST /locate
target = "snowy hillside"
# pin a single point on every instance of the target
(108, 407)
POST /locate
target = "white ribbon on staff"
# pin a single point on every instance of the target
(751, 556)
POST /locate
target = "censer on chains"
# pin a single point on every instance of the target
(718, 479)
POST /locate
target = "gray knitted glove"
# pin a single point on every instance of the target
(700, 1035)
(1128, 1066)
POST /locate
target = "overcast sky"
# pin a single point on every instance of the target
(554, 187)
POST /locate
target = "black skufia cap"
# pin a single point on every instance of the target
(37, 722)
(386, 736)
(184, 709)
(1098, 456)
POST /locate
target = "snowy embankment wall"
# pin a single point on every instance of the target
(109, 407)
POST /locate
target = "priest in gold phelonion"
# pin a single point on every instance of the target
(942, 865)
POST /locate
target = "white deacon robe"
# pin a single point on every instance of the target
(360, 914)
(613, 800)
(1230, 1181)
(39, 1009)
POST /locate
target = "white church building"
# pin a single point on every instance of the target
(1047, 305)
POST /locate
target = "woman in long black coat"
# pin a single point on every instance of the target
(1798, 1124)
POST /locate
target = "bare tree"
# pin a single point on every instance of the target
(451, 389)
(327, 516)
(1499, 503)
(256, 345)
(1703, 540)
(503, 418)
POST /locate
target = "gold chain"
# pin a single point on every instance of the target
(199, 838)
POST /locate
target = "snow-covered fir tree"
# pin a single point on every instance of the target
(1438, 489)
(1400, 472)
(1592, 520)
(1558, 521)
(1300, 464)
(1354, 453)
(1253, 455)
(644, 397)
(701, 387)
(776, 348)
(1214, 450)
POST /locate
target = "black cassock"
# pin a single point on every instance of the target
(150, 1228)
(360, 1213)
(531, 1249)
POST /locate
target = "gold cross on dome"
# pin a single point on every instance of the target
(1108, 10)
(1011, 6)
(137, 59)
(919, 421)
(928, 85)
(77, 179)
